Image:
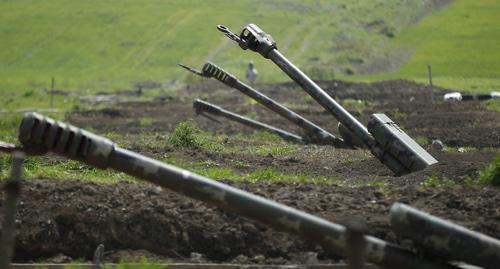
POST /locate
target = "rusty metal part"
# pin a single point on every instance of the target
(444, 238)
(203, 106)
(253, 38)
(313, 133)
(43, 133)
(12, 190)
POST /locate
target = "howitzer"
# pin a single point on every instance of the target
(391, 145)
(39, 134)
(202, 106)
(313, 133)
(445, 238)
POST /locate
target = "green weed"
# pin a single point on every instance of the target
(184, 135)
(491, 174)
(187, 135)
(493, 104)
(422, 140)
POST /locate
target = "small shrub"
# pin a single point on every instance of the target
(188, 135)
(491, 174)
(184, 135)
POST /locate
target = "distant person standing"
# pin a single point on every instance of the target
(251, 73)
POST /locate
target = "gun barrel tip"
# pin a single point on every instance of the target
(222, 28)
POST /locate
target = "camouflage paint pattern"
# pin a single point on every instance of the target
(253, 38)
(202, 106)
(35, 133)
(444, 238)
(313, 133)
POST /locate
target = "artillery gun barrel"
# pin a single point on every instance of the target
(314, 133)
(202, 106)
(445, 238)
(391, 145)
(39, 134)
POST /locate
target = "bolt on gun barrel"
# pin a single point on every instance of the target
(39, 134)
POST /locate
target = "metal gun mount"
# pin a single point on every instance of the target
(313, 133)
(386, 141)
(39, 134)
(202, 106)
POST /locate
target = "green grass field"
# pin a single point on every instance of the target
(107, 45)
(461, 42)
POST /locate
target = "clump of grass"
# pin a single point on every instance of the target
(493, 104)
(436, 182)
(187, 135)
(184, 135)
(267, 174)
(422, 140)
(491, 174)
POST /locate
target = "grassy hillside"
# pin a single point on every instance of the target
(106, 45)
(462, 42)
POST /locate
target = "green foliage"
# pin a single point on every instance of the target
(491, 174)
(45, 167)
(187, 135)
(184, 135)
(422, 140)
(493, 105)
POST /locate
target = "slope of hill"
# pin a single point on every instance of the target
(107, 45)
(461, 42)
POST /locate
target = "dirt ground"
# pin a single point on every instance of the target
(65, 220)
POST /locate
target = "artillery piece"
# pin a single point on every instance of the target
(39, 134)
(389, 143)
(313, 133)
(444, 238)
(202, 106)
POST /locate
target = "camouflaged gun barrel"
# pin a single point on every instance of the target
(314, 133)
(202, 106)
(445, 238)
(39, 134)
(391, 145)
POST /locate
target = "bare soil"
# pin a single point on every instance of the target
(69, 219)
